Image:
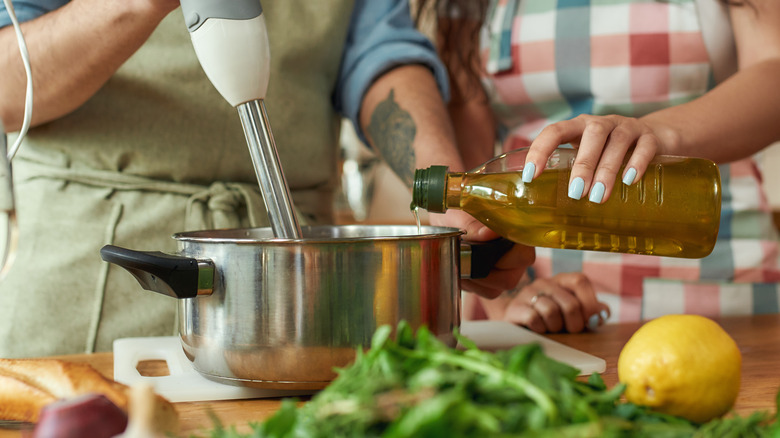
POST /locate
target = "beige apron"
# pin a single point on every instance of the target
(157, 151)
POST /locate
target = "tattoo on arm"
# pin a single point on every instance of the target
(392, 132)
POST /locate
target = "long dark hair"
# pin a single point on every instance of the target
(457, 40)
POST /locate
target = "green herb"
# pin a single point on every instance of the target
(416, 386)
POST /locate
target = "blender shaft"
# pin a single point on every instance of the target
(268, 169)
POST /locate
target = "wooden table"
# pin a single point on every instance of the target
(758, 338)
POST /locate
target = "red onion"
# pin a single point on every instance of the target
(90, 415)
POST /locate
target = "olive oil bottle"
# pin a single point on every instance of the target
(674, 210)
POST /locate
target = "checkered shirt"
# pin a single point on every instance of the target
(552, 60)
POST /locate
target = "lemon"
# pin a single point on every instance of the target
(682, 365)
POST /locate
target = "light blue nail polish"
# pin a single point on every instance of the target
(604, 316)
(593, 321)
(576, 187)
(628, 178)
(597, 193)
(528, 172)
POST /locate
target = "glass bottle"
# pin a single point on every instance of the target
(674, 210)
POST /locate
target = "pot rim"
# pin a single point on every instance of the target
(321, 234)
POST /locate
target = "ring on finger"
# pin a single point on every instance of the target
(536, 297)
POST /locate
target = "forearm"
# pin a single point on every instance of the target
(735, 120)
(406, 122)
(73, 51)
(738, 117)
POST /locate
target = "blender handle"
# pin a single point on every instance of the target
(167, 274)
(233, 48)
(478, 259)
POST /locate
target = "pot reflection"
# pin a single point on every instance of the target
(283, 314)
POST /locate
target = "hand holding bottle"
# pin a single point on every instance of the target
(506, 273)
(603, 143)
(651, 217)
(565, 302)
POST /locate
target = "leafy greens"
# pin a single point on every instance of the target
(416, 386)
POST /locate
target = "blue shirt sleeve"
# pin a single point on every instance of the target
(381, 36)
(29, 9)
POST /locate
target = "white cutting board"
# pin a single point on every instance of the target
(500, 335)
(185, 384)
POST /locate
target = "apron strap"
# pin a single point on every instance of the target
(220, 205)
(501, 23)
(100, 287)
(718, 37)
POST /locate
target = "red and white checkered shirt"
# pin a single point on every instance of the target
(553, 60)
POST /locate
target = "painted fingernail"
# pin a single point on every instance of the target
(576, 187)
(628, 178)
(528, 172)
(604, 316)
(597, 193)
(593, 321)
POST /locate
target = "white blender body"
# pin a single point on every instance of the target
(230, 39)
(234, 53)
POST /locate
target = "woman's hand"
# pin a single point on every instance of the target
(732, 121)
(565, 302)
(603, 143)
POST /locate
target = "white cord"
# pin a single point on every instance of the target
(28, 101)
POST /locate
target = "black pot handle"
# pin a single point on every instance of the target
(171, 275)
(479, 258)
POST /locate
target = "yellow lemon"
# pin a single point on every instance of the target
(683, 365)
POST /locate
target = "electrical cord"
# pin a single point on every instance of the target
(12, 234)
(28, 101)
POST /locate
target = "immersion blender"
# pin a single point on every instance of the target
(231, 42)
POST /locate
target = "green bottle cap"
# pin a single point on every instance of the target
(429, 188)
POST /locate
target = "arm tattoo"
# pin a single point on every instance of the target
(392, 132)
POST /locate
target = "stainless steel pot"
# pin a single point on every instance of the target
(264, 312)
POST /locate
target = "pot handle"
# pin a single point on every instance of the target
(478, 258)
(172, 275)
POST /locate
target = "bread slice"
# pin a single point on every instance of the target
(63, 379)
(20, 401)
(26, 385)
